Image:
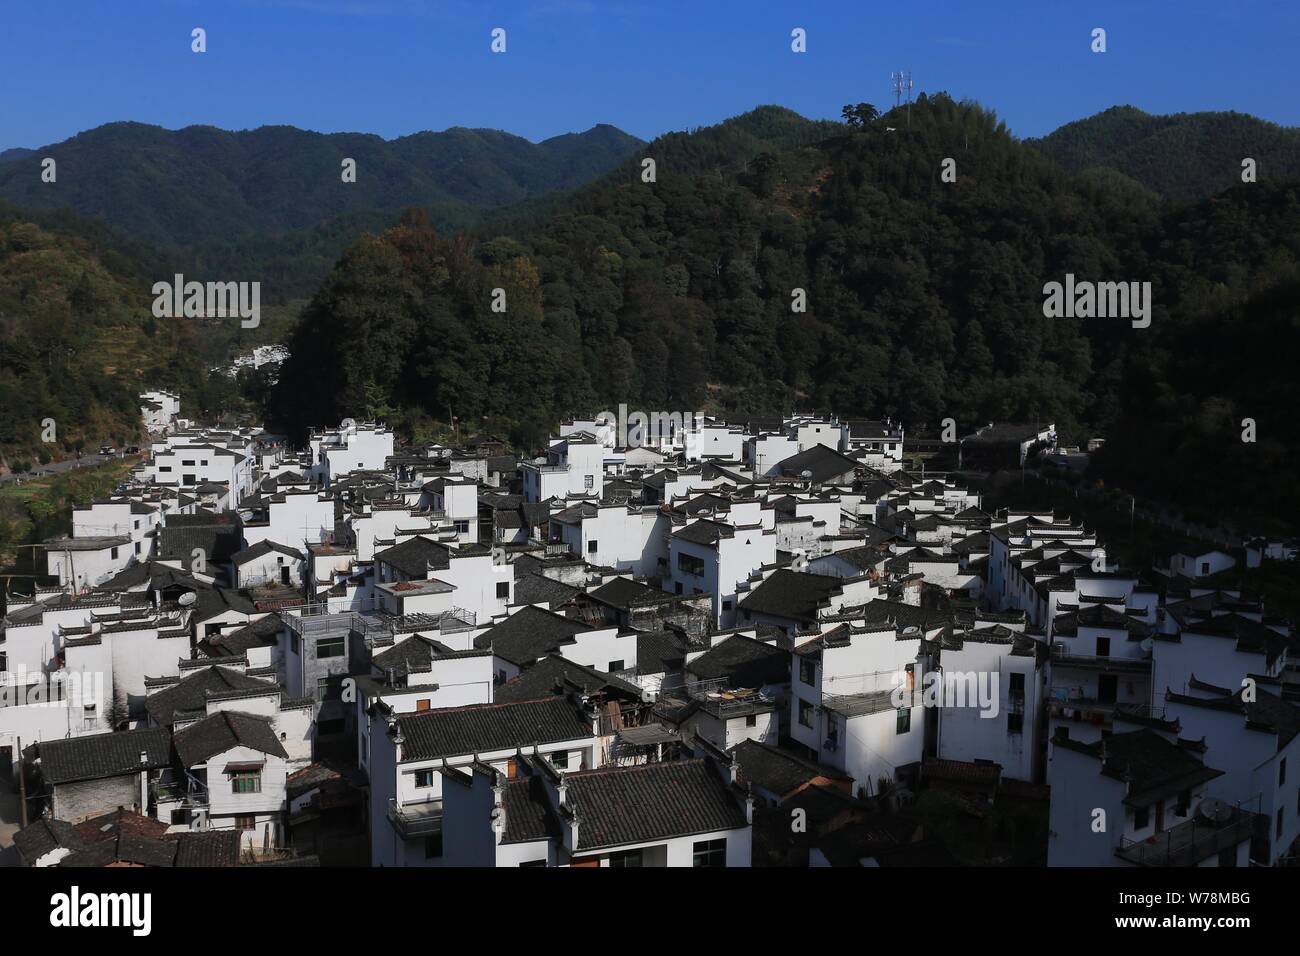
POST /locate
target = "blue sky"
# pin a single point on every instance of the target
(394, 67)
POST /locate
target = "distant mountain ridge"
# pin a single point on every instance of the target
(1180, 157)
(201, 192)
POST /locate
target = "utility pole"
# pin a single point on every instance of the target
(22, 787)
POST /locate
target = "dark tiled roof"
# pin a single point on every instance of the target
(1152, 766)
(264, 632)
(556, 675)
(411, 651)
(261, 549)
(658, 651)
(208, 848)
(822, 462)
(795, 595)
(478, 728)
(219, 543)
(223, 731)
(416, 556)
(777, 770)
(94, 756)
(622, 593)
(743, 662)
(528, 814)
(45, 835)
(651, 802)
(539, 589)
(528, 635)
(191, 693)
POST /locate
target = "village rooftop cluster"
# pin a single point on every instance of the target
(753, 642)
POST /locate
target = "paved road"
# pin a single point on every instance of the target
(55, 467)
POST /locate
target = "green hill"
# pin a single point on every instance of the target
(225, 203)
(1181, 157)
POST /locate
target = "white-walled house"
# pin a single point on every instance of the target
(1257, 746)
(268, 562)
(847, 685)
(712, 557)
(1135, 799)
(676, 813)
(1007, 733)
(408, 751)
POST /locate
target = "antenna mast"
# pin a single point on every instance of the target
(901, 81)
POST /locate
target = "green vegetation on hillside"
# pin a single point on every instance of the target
(925, 301)
(1182, 157)
(229, 205)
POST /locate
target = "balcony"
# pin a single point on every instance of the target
(413, 820)
(170, 787)
(1105, 665)
(1191, 842)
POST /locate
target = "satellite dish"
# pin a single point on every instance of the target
(1214, 809)
(186, 599)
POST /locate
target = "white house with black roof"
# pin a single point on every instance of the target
(1138, 798)
(792, 599)
(530, 634)
(1010, 733)
(97, 773)
(408, 751)
(1254, 735)
(678, 813)
(230, 774)
(268, 562)
(847, 683)
(713, 557)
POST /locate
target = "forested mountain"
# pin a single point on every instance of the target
(78, 342)
(925, 301)
(1180, 157)
(924, 298)
(227, 203)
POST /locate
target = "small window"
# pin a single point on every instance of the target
(423, 779)
(560, 760)
(709, 853)
(503, 590)
(1141, 818)
(591, 547)
(1281, 811)
(245, 823)
(614, 666)
(1103, 647)
(627, 858)
(113, 553)
(1015, 723)
(808, 671)
(328, 647)
(903, 724)
(751, 720)
(246, 781)
(1281, 772)
(805, 713)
